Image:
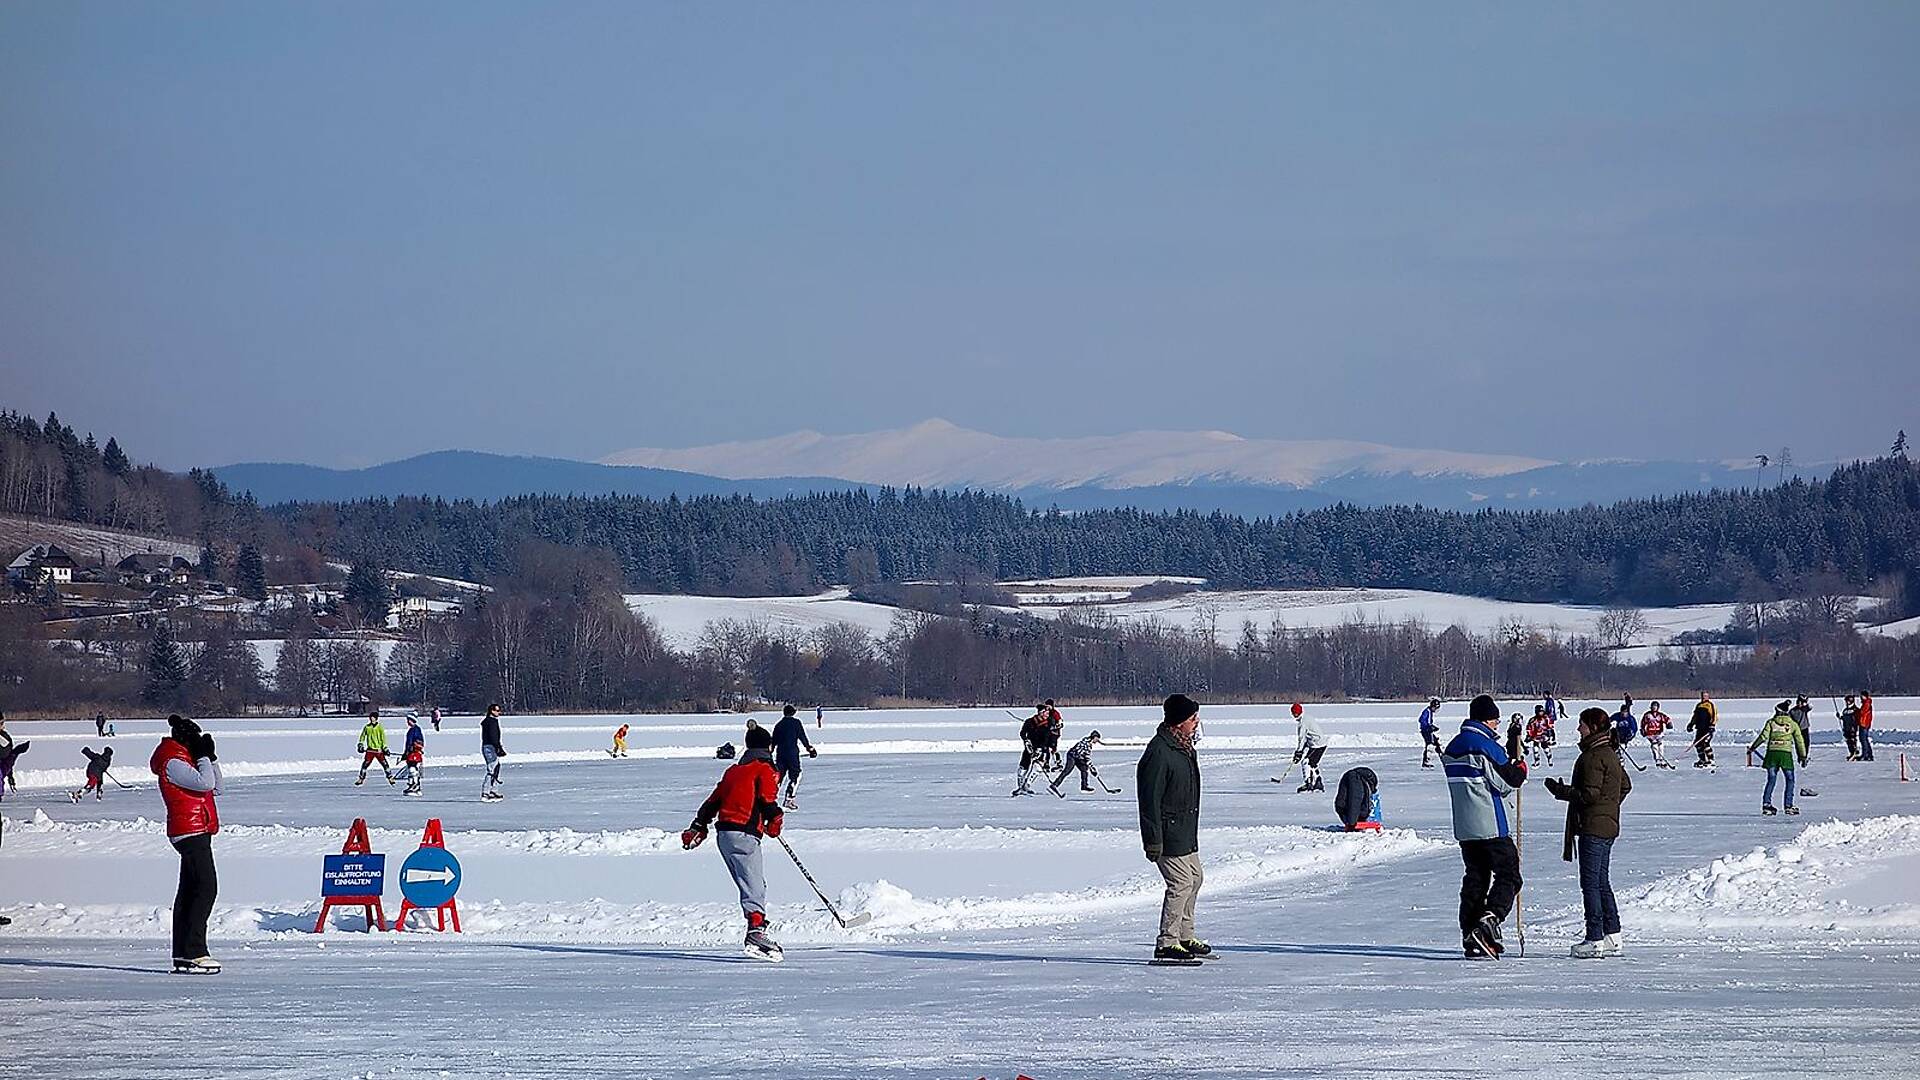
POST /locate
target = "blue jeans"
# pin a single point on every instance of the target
(1866, 744)
(1596, 887)
(1774, 769)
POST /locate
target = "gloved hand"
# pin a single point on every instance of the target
(1296, 757)
(693, 837)
(1554, 787)
(772, 825)
(203, 748)
(1803, 762)
(811, 752)
(360, 749)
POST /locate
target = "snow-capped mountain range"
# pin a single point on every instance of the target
(936, 453)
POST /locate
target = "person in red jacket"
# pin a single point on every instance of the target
(744, 806)
(189, 774)
(1866, 726)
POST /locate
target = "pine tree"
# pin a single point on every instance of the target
(1900, 444)
(209, 563)
(366, 593)
(114, 459)
(250, 573)
(166, 668)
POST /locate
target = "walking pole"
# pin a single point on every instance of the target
(1519, 846)
(861, 919)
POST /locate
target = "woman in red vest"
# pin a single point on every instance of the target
(189, 775)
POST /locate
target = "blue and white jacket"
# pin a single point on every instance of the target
(1480, 776)
(1429, 718)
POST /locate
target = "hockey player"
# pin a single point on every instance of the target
(1784, 744)
(491, 751)
(1849, 718)
(789, 735)
(1033, 734)
(1480, 775)
(413, 756)
(619, 743)
(10, 752)
(1541, 736)
(1802, 714)
(97, 766)
(743, 808)
(1705, 718)
(1429, 733)
(1866, 726)
(1049, 745)
(1625, 726)
(1593, 801)
(1079, 757)
(373, 747)
(1556, 710)
(436, 719)
(1311, 746)
(1357, 801)
(1654, 726)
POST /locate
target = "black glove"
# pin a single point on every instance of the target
(1296, 757)
(203, 748)
(1554, 787)
(811, 752)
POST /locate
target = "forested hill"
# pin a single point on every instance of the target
(1862, 524)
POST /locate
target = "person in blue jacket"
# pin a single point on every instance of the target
(789, 735)
(1429, 733)
(1480, 775)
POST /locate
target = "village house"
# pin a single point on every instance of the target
(42, 563)
(152, 568)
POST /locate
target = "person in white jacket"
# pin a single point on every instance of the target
(1312, 746)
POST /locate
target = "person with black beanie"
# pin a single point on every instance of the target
(1480, 775)
(1168, 782)
(189, 774)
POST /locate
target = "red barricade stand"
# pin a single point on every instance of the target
(357, 844)
(431, 837)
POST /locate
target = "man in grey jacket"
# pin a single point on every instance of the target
(1168, 782)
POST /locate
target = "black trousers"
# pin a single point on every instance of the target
(193, 904)
(1491, 882)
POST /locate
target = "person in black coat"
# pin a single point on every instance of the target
(1168, 783)
(1353, 799)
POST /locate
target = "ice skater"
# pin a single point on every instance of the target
(491, 753)
(1541, 736)
(744, 807)
(1480, 775)
(1654, 726)
(1705, 718)
(10, 752)
(1080, 757)
(1784, 744)
(789, 735)
(436, 719)
(1430, 733)
(373, 747)
(189, 775)
(1849, 718)
(1310, 747)
(619, 743)
(413, 756)
(97, 766)
(1033, 735)
(1593, 801)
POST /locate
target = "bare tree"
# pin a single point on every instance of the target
(1620, 626)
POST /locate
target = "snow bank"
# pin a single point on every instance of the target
(1847, 876)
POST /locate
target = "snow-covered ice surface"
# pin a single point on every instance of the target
(1008, 933)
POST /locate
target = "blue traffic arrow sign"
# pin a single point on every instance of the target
(430, 877)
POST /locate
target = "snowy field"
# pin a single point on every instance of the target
(682, 618)
(1008, 933)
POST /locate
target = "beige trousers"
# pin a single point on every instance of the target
(1183, 876)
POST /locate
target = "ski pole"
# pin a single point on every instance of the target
(1519, 846)
(861, 919)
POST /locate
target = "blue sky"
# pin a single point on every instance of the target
(344, 233)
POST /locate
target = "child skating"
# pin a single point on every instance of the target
(619, 743)
(97, 766)
(744, 807)
(373, 747)
(413, 756)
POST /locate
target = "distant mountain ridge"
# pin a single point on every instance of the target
(1202, 471)
(472, 474)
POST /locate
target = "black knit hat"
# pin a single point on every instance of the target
(1178, 709)
(759, 738)
(1484, 710)
(182, 728)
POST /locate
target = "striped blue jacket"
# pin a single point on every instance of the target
(1479, 779)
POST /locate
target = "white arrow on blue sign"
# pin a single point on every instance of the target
(430, 877)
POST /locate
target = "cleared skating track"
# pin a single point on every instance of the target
(1007, 932)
